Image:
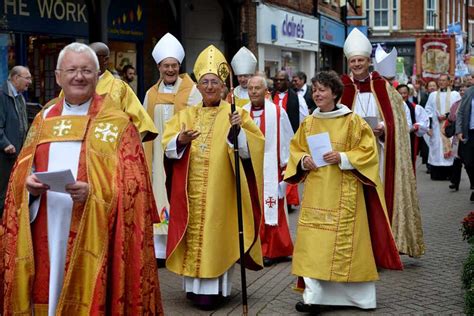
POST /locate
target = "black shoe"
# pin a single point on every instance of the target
(472, 187)
(472, 197)
(268, 262)
(308, 308)
(454, 186)
(290, 208)
(161, 263)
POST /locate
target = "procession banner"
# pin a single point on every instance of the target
(435, 55)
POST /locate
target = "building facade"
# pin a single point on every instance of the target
(398, 23)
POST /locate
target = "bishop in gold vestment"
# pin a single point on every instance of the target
(203, 234)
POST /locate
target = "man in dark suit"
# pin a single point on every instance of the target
(13, 123)
(303, 90)
(288, 99)
(465, 134)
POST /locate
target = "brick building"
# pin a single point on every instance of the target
(397, 23)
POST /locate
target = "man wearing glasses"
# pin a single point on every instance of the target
(86, 245)
(13, 123)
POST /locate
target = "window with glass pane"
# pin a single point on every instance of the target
(430, 10)
(367, 11)
(394, 14)
(381, 13)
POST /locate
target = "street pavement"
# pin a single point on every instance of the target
(430, 285)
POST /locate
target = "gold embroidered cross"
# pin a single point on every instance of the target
(62, 128)
(106, 132)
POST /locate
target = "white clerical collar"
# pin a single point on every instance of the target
(341, 110)
(87, 103)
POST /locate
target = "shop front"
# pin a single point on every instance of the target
(286, 41)
(32, 33)
(331, 38)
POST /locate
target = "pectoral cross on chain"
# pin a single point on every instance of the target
(203, 147)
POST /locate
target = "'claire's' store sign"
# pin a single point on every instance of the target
(283, 28)
(291, 28)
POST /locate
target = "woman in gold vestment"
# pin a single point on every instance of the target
(336, 251)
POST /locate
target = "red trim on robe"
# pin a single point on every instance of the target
(380, 92)
(39, 227)
(276, 99)
(176, 183)
(177, 170)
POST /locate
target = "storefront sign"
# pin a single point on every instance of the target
(70, 18)
(286, 29)
(126, 20)
(46, 16)
(331, 32)
(292, 29)
(364, 29)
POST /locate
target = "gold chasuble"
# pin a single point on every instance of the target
(336, 239)
(125, 100)
(110, 265)
(203, 232)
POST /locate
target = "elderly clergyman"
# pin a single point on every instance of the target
(203, 236)
(86, 247)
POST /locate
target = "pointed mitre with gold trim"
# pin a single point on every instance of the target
(244, 62)
(386, 64)
(357, 44)
(168, 46)
(211, 61)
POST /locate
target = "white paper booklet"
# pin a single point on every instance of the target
(319, 144)
(373, 121)
(57, 180)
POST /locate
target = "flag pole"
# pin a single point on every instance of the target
(235, 131)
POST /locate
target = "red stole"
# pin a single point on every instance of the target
(378, 88)
(276, 99)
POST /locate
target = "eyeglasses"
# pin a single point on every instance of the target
(29, 78)
(71, 72)
(213, 83)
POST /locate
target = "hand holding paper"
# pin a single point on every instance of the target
(56, 180)
(319, 144)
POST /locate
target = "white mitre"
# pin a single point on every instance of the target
(244, 62)
(385, 64)
(357, 44)
(168, 46)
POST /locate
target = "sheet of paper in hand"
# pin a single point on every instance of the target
(373, 121)
(319, 144)
(57, 180)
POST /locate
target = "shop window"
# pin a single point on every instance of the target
(290, 61)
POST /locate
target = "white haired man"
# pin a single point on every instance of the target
(85, 247)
